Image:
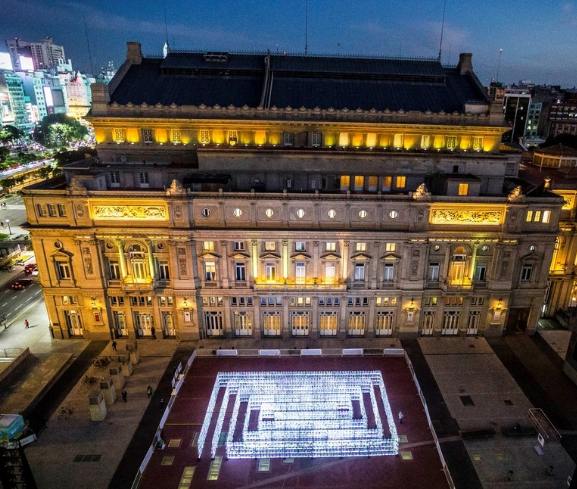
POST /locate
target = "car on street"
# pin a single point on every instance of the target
(21, 283)
(31, 268)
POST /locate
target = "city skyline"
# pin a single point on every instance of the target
(538, 40)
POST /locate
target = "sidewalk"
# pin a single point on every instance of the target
(59, 458)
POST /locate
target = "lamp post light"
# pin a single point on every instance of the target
(9, 228)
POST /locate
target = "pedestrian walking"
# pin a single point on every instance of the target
(401, 417)
(149, 391)
(124, 395)
(113, 345)
(26, 324)
(153, 332)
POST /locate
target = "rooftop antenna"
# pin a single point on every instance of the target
(442, 30)
(306, 27)
(498, 64)
(88, 47)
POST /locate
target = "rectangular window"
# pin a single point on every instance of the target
(546, 217)
(240, 272)
(331, 246)
(373, 183)
(300, 246)
(52, 210)
(330, 273)
(271, 324)
(529, 216)
(390, 247)
(114, 178)
(213, 323)
(425, 141)
(288, 139)
(146, 135)
(477, 143)
(300, 273)
(210, 271)
(163, 270)
(481, 273)
(359, 183)
(242, 323)
(387, 183)
(433, 272)
(143, 178)
(114, 270)
(208, 246)
(389, 272)
(345, 183)
(463, 189)
(431, 301)
(450, 323)
(526, 273)
(270, 272)
(204, 136)
(175, 136)
(359, 272)
(119, 135)
(165, 300)
(401, 181)
(357, 323)
(61, 210)
(239, 246)
(473, 322)
(536, 216)
(361, 247)
(299, 323)
(270, 245)
(316, 139)
(40, 210)
(63, 270)
(384, 323)
(428, 323)
(328, 324)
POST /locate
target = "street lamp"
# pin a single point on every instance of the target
(9, 228)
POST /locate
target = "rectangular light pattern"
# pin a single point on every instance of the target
(299, 414)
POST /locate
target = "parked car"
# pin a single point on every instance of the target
(21, 283)
(30, 268)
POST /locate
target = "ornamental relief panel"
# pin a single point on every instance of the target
(158, 212)
(467, 217)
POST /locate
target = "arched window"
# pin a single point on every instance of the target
(458, 267)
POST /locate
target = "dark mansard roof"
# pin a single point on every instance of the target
(194, 78)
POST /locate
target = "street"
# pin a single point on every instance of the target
(13, 216)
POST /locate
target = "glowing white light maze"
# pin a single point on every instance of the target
(299, 414)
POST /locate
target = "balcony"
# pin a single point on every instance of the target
(130, 284)
(291, 285)
(452, 285)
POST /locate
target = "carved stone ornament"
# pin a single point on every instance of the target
(121, 212)
(467, 216)
(175, 188)
(516, 195)
(422, 193)
(77, 186)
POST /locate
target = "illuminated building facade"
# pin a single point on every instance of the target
(292, 196)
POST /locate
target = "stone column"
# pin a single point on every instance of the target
(151, 263)
(121, 259)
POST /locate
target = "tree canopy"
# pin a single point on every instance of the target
(9, 133)
(57, 130)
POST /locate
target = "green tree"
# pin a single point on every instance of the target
(9, 133)
(57, 130)
(4, 152)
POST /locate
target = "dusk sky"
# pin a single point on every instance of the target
(538, 37)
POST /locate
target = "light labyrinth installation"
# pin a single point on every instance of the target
(299, 414)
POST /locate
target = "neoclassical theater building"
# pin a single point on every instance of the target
(275, 195)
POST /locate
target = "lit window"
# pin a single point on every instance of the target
(359, 271)
(529, 217)
(345, 182)
(300, 213)
(359, 183)
(269, 213)
(210, 271)
(389, 272)
(204, 136)
(363, 213)
(451, 142)
(393, 214)
(477, 143)
(390, 247)
(536, 216)
(237, 212)
(208, 245)
(330, 273)
(373, 183)
(300, 246)
(332, 213)
(463, 189)
(546, 217)
(425, 141)
(361, 247)
(270, 245)
(270, 272)
(63, 270)
(401, 181)
(387, 183)
(119, 135)
(330, 246)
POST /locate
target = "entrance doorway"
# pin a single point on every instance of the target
(517, 320)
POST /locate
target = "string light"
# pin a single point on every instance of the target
(300, 414)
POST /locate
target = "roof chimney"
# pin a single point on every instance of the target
(133, 52)
(465, 63)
